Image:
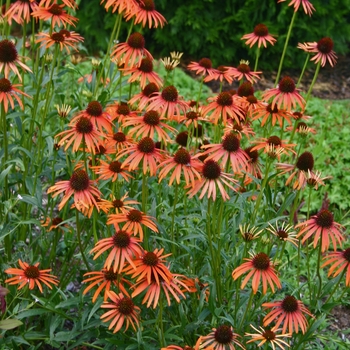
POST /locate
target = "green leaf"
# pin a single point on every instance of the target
(10, 323)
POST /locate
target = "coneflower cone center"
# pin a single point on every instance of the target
(136, 41)
(32, 272)
(8, 52)
(346, 254)
(84, 126)
(269, 335)
(252, 99)
(245, 89)
(286, 85)
(5, 85)
(94, 109)
(222, 69)
(324, 218)
(305, 161)
(182, 157)
(231, 143)
(134, 215)
(150, 259)
(182, 138)
(110, 275)
(261, 30)
(274, 140)
(301, 126)
(146, 65)
(79, 180)
(117, 203)
(119, 136)
(150, 89)
(282, 234)
(56, 221)
(151, 118)
(147, 5)
(289, 304)
(211, 170)
(125, 306)
(243, 68)
(115, 166)
(272, 110)
(170, 94)
(223, 334)
(66, 33)
(224, 99)
(146, 145)
(325, 45)
(56, 10)
(123, 109)
(99, 150)
(253, 155)
(192, 115)
(261, 261)
(57, 37)
(205, 63)
(121, 239)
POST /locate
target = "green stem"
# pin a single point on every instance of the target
(173, 219)
(160, 323)
(79, 240)
(318, 269)
(303, 70)
(257, 59)
(313, 82)
(246, 309)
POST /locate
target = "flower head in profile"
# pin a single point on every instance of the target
(286, 95)
(9, 93)
(56, 223)
(80, 186)
(203, 67)
(249, 233)
(30, 275)
(288, 311)
(220, 338)
(221, 73)
(274, 115)
(273, 146)
(307, 6)
(119, 205)
(259, 267)
(260, 35)
(340, 261)
(65, 39)
(121, 309)
(120, 5)
(20, 11)
(269, 336)
(243, 71)
(322, 227)
(283, 232)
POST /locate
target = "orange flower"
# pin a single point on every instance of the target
(239, 129)
(107, 278)
(120, 205)
(78, 185)
(120, 5)
(150, 266)
(56, 14)
(302, 129)
(118, 142)
(203, 67)
(243, 72)
(119, 111)
(341, 263)
(20, 11)
(223, 106)
(82, 130)
(286, 95)
(70, 3)
(64, 38)
(284, 232)
(149, 124)
(290, 311)
(258, 267)
(192, 117)
(322, 226)
(254, 166)
(273, 146)
(307, 6)
(31, 275)
(143, 98)
(220, 338)
(8, 91)
(260, 35)
(180, 163)
(9, 58)
(54, 223)
(121, 309)
(133, 220)
(112, 170)
(269, 336)
(221, 73)
(123, 248)
(212, 177)
(266, 111)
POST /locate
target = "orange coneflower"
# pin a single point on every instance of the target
(266, 112)
(121, 309)
(322, 226)
(9, 58)
(31, 275)
(323, 49)
(223, 106)
(112, 170)
(80, 186)
(145, 12)
(220, 338)
(8, 91)
(249, 233)
(285, 95)
(284, 232)
(53, 224)
(260, 35)
(302, 129)
(181, 163)
(221, 73)
(192, 117)
(107, 278)
(239, 129)
(273, 146)
(254, 166)
(56, 14)
(269, 336)
(243, 72)
(250, 104)
(203, 67)
(120, 110)
(64, 38)
(168, 102)
(212, 177)
(307, 6)
(144, 151)
(290, 311)
(94, 112)
(119, 205)
(143, 98)
(117, 142)
(81, 131)
(70, 3)
(154, 289)
(132, 52)
(258, 267)
(123, 248)
(148, 125)
(228, 150)
(150, 266)
(341, 263)
(133, 220)
(143, 73)
(120, 5)
(20, 11)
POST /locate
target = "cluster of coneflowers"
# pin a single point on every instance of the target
(206, 150)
